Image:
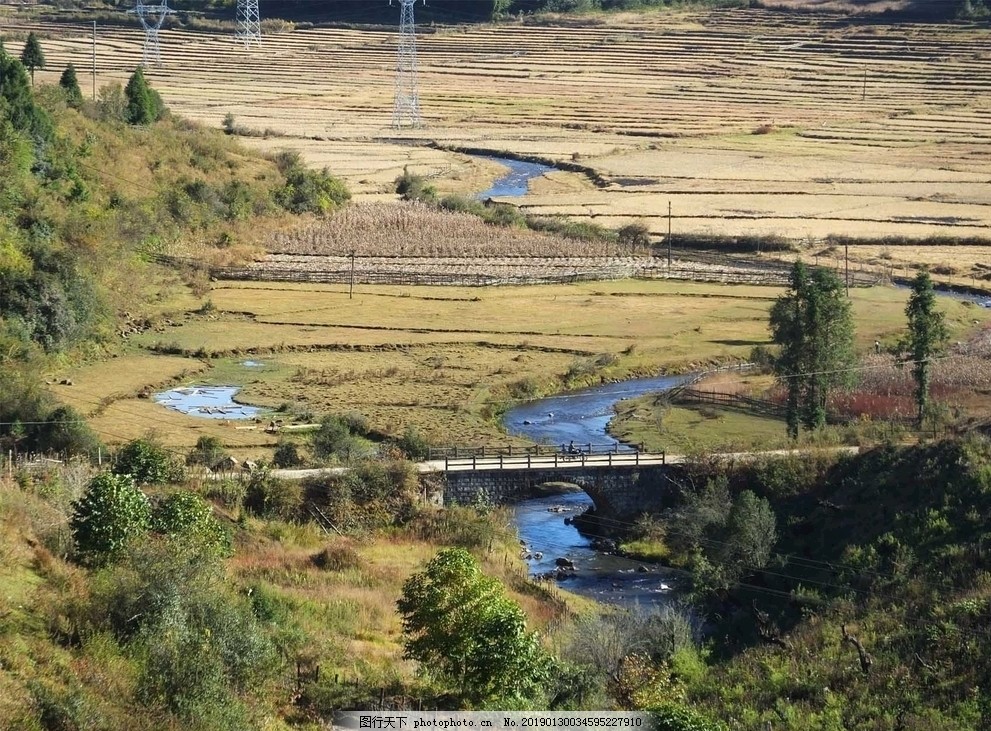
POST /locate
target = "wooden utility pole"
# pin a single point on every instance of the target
(94, 60)
(846, 250)
(669, 234)
(351, 287)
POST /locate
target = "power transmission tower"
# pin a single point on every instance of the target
(249, 27)
(406, 111)
(152, 17)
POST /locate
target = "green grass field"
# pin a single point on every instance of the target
(446, 359)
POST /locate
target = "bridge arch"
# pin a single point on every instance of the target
(622, 493)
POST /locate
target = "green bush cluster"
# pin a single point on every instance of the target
(306, 190)
(371, 494)
(197, 646)
(341, 438)
(148, 463)
(114, 511)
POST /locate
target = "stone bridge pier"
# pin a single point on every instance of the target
(620, 493)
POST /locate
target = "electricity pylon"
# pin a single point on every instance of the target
(249, 27)
(152, 17)
(406, 111)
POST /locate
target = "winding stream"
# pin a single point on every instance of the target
(516, 182)
(582, 417)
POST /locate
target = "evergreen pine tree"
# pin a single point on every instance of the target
(140, 103)
(69, 82)
(926, 336)
(813, 325)
(17, 100)
(32, 56)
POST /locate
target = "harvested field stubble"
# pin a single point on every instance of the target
(863, 130)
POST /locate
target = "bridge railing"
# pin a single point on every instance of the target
(536, 450)
(553, 459)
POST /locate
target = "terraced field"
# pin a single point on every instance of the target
(747, 121)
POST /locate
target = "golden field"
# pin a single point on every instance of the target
(749, 122)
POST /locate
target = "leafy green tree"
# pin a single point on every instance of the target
(927, 336)
(111, 512)
(310, 191)
(413, 444)
(70, 84)
(147, 463)
(144, 105)
(208, 451)
(750, 534)
(335, 438)
(66, 432)
(187, 516)
(32, 56)
(111, 103)
(195, 642)
(459, 624)
(813, 326)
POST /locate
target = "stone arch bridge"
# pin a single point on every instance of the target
(621, 484)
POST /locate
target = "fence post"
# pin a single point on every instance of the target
(528, 460)
(500, 461)
(474, 465)
(610, 459)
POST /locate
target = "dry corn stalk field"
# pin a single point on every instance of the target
(749, 122)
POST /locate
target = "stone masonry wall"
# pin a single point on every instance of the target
(620, 492)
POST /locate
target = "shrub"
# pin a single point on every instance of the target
(187, 516)
(634, 236)
(413, 444)
(305, 190)
(110, 512)
(269, 498)
(66, 433)
(338, 557)
(148, 463)
(208, 451)
(458, 525)
(675, 717)
(287, 455)
(525, 388)
(197, 645)
(335, 438)
(413, 187)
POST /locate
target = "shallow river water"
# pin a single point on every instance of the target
(606, 578)
(516, 182)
